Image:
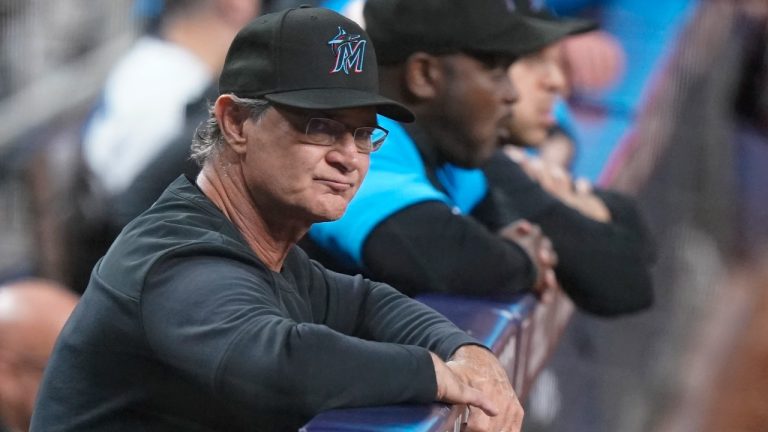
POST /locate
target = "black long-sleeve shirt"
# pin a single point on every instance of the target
(183, 328)
(604, 267)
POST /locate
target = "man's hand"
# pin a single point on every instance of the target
(559, 183)
(477, 369)
(540, 251)
(589, 204)
(453, 389)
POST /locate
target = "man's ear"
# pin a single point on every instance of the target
(231, 118)
(423, 75)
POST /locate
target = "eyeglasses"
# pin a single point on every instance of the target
(327, 132)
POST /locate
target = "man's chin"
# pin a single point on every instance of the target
(329, 215)
(514, 140)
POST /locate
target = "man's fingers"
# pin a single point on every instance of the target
(476, 399)
(490, 379)
(547, 297)
(522, 227)
(451, 389)
(583, 186)
(515, 419)
(516, 154)
(552, 255)
(550, 281)
(510, 420)
(478, 421)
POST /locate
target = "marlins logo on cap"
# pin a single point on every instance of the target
(349, 50)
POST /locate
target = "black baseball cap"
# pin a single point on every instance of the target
(310, 58)
(557, 27)
(402, 27)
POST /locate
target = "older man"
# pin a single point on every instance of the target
(205, 316)
(32, 313)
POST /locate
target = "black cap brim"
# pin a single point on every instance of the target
(341, 98)
(554, 29)
(539, 33)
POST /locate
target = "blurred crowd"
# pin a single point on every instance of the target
(665, 102)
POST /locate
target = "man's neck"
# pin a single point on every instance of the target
(428, 149)
(270, 238)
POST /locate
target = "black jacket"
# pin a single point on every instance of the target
(183, 328)
(604, 267)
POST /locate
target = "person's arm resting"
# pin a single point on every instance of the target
(604, 267)
(226, 329)
(428, 248)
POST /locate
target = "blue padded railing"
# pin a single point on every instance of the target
(522, 334)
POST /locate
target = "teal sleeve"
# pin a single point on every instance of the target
(396, 179)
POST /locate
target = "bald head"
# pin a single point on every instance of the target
(32, 313)
(35, 306)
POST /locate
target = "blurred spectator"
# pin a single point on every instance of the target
(86, 183)
(142, 109)
(39, 36)
(740, 382)
(594, 241)
(682, 162)
(540, 81)
(599, 236)
(47, 49)
(32, 313)
(725, 379)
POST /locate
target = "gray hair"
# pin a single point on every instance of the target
(208, 139)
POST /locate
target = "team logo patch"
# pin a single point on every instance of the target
(349, 50)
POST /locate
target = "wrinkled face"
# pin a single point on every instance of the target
(472, 107)
(540, 79)
(290, 178)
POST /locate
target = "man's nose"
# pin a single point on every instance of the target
(508, 91)
(343, 153)
(555, 78)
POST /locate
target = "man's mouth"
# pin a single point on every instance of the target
(336, 185)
